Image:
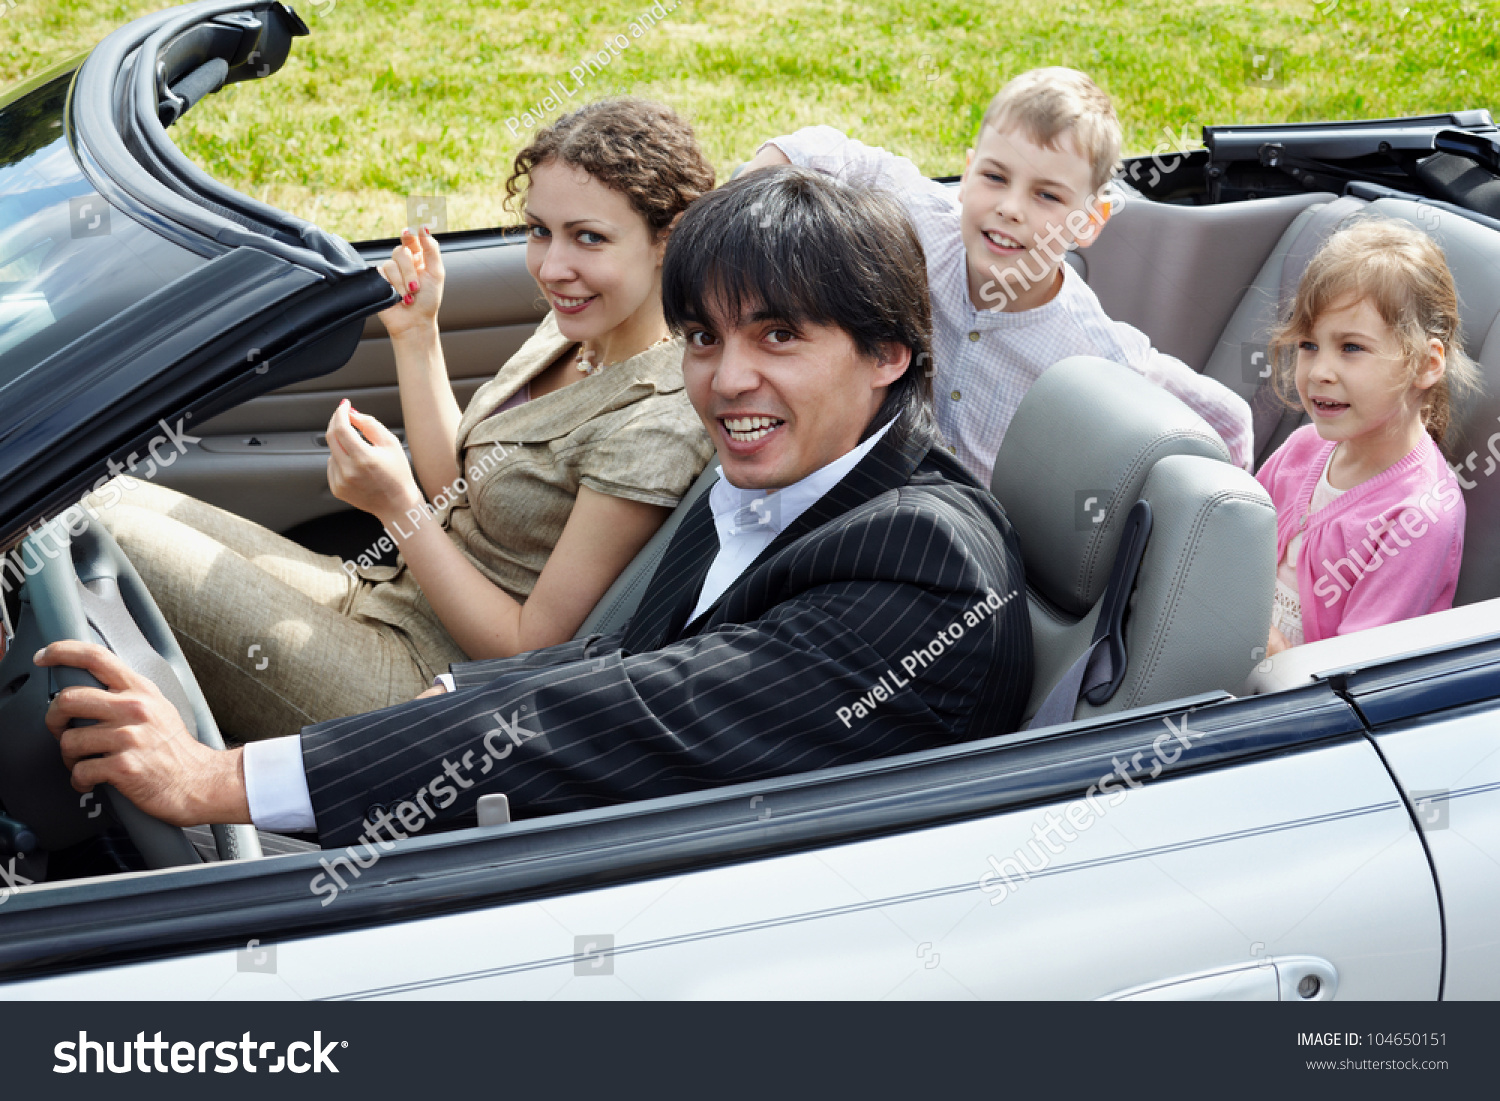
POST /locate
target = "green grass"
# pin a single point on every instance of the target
(387, 99)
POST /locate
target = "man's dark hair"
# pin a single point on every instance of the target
(804, 248)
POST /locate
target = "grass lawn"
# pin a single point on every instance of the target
(390, 99)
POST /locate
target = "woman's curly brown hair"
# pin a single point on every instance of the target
(643, 150)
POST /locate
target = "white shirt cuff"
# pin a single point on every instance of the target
(446, 680)
(276, 785)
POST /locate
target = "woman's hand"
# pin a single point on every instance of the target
(367, 467)
(1276, 643)
(415, 269)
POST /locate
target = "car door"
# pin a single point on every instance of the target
(141, 296)
(1220, 848)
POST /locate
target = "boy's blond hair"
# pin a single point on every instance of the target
(1048, 103)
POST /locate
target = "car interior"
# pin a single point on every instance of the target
(1210, 305)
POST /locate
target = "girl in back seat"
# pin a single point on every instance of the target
(1369, 518)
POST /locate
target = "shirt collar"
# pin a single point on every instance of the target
(744, 511)
(1001, 319)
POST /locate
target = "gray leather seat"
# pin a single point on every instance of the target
(1250, 328)
(1068, 473)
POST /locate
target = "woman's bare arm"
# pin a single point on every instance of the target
(429, 410)
(601, 537)
(367, 469)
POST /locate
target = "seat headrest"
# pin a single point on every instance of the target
(1471, 255)
(1072, 464)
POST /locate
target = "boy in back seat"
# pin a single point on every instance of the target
(1005, 305)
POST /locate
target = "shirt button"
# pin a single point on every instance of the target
(957, 395)
(952, 450)
(974, 336)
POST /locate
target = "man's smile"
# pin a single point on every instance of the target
(749, 429)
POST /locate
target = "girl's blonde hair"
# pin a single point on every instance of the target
(1402, 273)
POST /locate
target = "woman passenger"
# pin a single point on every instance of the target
(541, 491)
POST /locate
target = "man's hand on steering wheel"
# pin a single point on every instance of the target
(139, 744)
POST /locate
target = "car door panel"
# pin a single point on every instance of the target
(1435, 719)
(1296, 854)
(1304, 854)
(490, 307)
(1451, 772)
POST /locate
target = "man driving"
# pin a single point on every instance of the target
(844, 592)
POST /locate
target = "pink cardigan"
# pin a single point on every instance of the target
(1386, 550)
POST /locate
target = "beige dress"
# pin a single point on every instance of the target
(280, 637)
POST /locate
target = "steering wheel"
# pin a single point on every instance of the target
(87, 589)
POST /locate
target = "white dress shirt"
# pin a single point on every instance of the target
(985, 360)
(276, 785)
(747, 521)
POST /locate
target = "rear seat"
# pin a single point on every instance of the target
(1239, 354)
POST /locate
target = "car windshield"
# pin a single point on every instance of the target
(68, 261)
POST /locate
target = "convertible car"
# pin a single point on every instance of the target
(1213, 824)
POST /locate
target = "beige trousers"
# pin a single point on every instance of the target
(265, 623)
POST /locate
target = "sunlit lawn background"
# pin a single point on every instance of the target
(387, 99)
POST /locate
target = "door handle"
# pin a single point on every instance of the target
(1272, 979)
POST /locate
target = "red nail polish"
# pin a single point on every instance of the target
(407, 299)
(412, 287)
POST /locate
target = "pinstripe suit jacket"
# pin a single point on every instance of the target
(779, 675)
